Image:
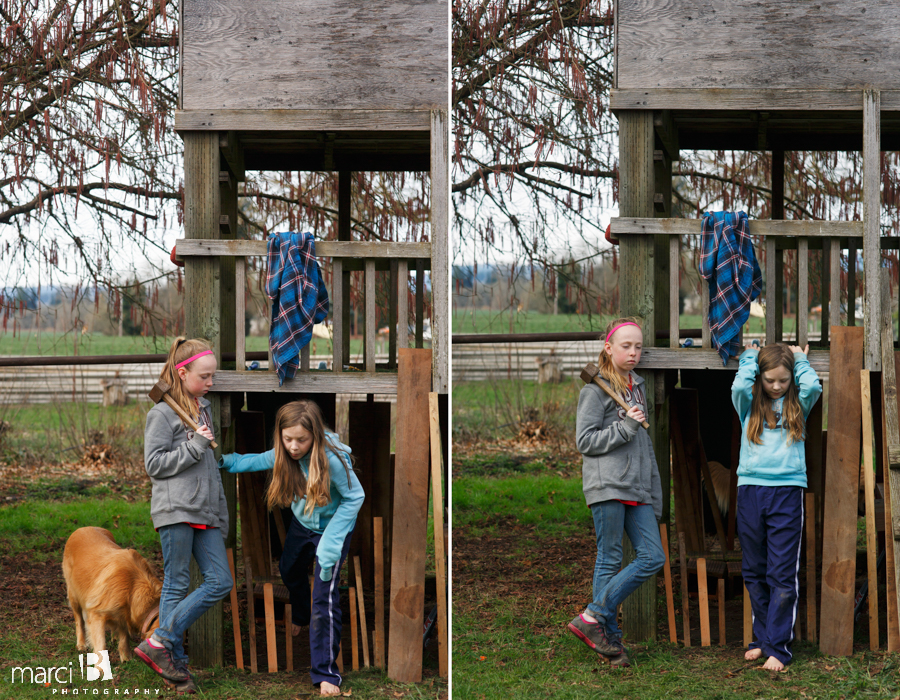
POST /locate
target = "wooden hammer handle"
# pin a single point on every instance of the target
(615, 397)
(191, 423)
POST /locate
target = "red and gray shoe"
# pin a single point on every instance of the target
(593, 634)
(160, 660)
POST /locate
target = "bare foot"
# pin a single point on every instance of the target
(773, 664)
(753, 654)
(326, 688)
(295, 629)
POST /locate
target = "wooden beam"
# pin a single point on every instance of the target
(868, 469)
(802, 292)
(324, 249)
(752, 100)
(872, 225)
(891, 546)
(636, 226)
(338, 312)
(703, 600)
(437, 502)
(345, 234)
(674, 274)
(240, 313)
(314, 382)
(667, 133)
(233, 153)
(302, 120)
(778, 262)
(370, 304)
(892, 426)
(354, 644)
(685, 599)
(410, 517)
(636, 289)
(839, 539)
(403, 304)
(834, 284)
(378, 634)
(771, 285)
(440, 253)
(362, 612)
(667, 570)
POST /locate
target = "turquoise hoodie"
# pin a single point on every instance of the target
(777, 461)
(335, 520)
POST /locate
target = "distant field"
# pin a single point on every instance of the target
(488, 321)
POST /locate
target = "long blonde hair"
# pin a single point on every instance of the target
(605, 363)
(761, 413)
(288, 482)
(181, 350)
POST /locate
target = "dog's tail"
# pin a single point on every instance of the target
(721, 478)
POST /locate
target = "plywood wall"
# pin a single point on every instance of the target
(826, 44)
(307, 54)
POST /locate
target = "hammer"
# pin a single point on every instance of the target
(590, 373)
(160, 392)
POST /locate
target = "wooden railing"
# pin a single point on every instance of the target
(347, 256)
(829, 236)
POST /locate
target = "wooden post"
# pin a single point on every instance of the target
(344, 234)
(811, 567)
(362, 612)
(637, 280)
(891, 547)
(802, 292)
(685, 601)
(370, 329)
(868, 467)
(440, 254)
(670, 602)
(202, 285)
(703, 599)
(354, 645)
(235, 615)
(778, 263)
(410, 517)
(892, 429)
(437, 500)
(288, 638)
(251, 613)
(271, 637)
(871, 228)
(720, 597)
(839, 544)
(378, 640)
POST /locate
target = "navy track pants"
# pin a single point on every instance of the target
(770, 524)
(324, 619)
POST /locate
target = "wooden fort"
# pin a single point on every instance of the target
(345, 86)
(774, 75)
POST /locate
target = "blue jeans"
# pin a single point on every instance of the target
(177, 609)
(612, 519)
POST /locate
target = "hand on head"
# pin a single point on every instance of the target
(797, 348)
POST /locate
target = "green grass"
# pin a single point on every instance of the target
(494, 321)
(554, 504)
(42, 525)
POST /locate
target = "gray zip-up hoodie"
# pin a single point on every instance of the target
(617, 455)
(183, 471)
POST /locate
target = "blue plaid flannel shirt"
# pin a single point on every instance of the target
(299, 298)
(728, 262)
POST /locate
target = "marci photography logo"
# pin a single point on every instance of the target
(92, 667)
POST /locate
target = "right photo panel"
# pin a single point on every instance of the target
(669, 223)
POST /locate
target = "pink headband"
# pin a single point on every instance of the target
(627, 323)
(191, 359)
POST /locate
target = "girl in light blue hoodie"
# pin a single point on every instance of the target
(773, 392)
(312, 475)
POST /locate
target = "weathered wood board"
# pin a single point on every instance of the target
(766, 44)
(407, 613)
(841, 491)
(301, 54)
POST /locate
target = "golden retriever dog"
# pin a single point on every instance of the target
(110, 589)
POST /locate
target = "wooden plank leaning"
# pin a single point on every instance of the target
(670, 601)
(703, 597)
(362, 611)
(892, 429)
(811, 566)
(437, 499)
(235, 615)
(840, 502)
(893, 624)
(868, 468)
(685, 600)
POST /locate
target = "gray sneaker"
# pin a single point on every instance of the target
(160, 660)
(593, 634)
(185, 687)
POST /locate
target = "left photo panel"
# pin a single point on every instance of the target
(224, 360)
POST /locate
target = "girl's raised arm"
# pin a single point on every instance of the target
(338, 528)
(807, 381)
(236, 463)
(742, 387)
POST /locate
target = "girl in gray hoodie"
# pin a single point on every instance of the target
(188, 508)
(621, 485)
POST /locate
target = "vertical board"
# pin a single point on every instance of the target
(872, 226)
(378, 635)
(437, 502)
(685, 599)
(810, 566)
(703, 600)
(362, 612)
(440, 253)
(235, 615)
(868, 470)
(410, 516)
(891, 546)
(667, 569)
(839, 538)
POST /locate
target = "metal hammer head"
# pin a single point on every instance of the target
(158, 390)
(589, 372)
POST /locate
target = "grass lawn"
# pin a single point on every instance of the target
(523, 557)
